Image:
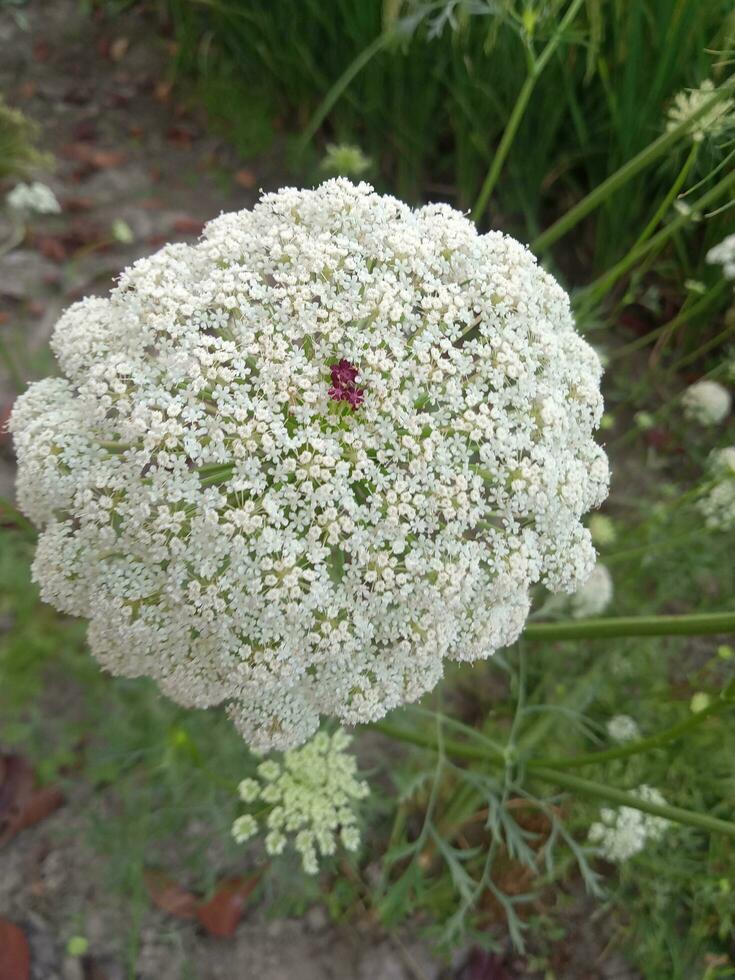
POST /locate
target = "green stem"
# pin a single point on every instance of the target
(516, 116)
(599, 287)
(329, 100)
(609, 794)
(683, 316)
(585, 787)
(669, 199)
(640, 745)
(697, 624)
(632, 168)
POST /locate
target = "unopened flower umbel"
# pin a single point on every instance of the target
(312, 796)
(294, 466)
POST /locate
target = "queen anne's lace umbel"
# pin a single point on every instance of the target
(294, 466)
(313, 796)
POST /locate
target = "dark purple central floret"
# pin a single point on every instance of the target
(344, 389)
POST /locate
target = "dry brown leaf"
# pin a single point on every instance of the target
(169, 896)
(15, 954)
(221, 915)
(246, 178)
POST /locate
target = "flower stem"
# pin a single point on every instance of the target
(550, 774)
(697, 624)
(519, 109)
(620, 797)
(640, 745)
(632, 168)
(597, 289)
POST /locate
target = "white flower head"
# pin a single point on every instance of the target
(623, 832)
(724, 255)
(623, 728)
(35, 197)
(294, 466)
(595, 595)
(707, 402)
(717, 504)
(312, 796)
(714, 122)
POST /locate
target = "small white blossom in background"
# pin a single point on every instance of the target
(714, 122)
(602, 529)
(594, 596)
(718, 503)
(706, 402)
(724, 255)
(624, 831)
(296, 465)
(34, 197)
(312, 795)
(344, 160)
(623, 728)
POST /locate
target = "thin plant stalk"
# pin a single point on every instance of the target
(509, 133)
(596, 290)
(641, 745)
(695, 624)
(630, 169)
(584, 787)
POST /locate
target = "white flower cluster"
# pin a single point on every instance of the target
(593, 596)
(33, 197)
(624, 831)
(297, 464)
(713, 123)
(623, 728)
(724, 255)
(312, 795)
(718, 503)
(707, 402)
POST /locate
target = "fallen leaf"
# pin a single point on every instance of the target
(41, 51)
(42, 803)
(15, 954)
(76, 204)
(222, 913)
(97, 159)
(22, 805)
(27, 90)
(169, 896)
(179, 135)
(188, 226)
(246, 178)
(16, 787)
(85, 131)
(487, 966)
(51, 247)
